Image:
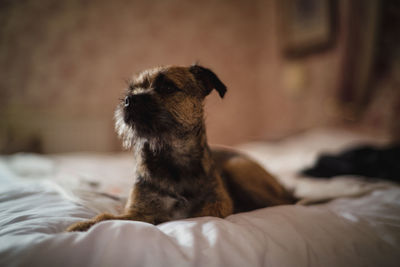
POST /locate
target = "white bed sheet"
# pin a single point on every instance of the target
(41, 196)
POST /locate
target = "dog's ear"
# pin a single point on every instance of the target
(209, 79)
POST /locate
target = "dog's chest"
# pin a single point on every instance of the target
(169, 166)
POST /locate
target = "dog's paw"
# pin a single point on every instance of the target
(80, 226)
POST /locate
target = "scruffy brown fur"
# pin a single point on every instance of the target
(177, 175)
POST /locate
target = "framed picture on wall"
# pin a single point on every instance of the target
(305, 25)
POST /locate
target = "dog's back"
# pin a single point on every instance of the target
(249, 185)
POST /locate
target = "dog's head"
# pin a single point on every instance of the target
(165, 101)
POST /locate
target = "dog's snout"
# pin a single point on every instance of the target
(130, 101)
(136, 100)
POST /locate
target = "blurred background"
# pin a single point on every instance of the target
(289, 65)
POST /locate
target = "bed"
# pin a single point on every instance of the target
(41, 195)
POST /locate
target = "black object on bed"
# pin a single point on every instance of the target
(369, 161)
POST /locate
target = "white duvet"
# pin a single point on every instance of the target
(41, 196)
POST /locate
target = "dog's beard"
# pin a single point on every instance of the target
(126, 132)
(130, 136)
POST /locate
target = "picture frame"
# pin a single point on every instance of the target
(306, 26)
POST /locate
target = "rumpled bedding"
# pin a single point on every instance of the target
(41, 195)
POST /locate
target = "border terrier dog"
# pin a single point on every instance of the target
(177, 174)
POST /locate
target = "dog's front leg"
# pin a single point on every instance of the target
(221, 207)
(135, 216)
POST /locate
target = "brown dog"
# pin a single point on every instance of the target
(177, 174)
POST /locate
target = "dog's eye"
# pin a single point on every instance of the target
(169, 88)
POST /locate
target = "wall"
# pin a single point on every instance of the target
(63, 65)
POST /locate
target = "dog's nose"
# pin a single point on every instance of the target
(137, 100)
(127, 101)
